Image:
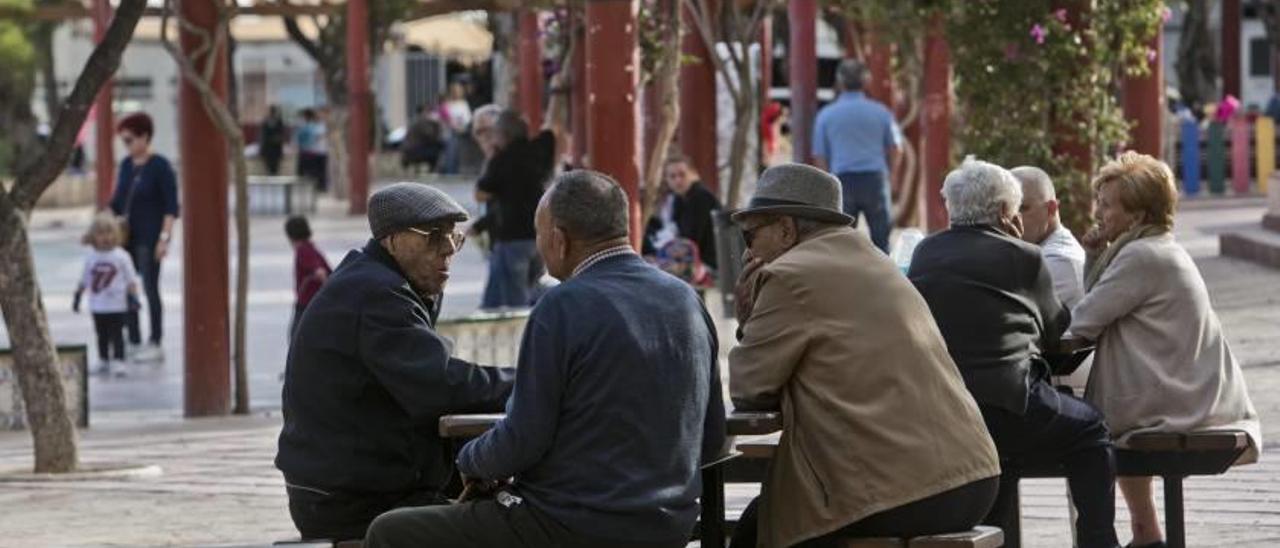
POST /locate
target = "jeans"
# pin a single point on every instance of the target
(511, 268)
(144, 261)
(1058, 428)
(867, 192)
(110, 330)
(506, 521)
(320, 514)
(950, 511)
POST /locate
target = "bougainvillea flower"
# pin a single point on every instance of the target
(1038, 33)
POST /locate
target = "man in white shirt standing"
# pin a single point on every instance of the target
(1042, 226)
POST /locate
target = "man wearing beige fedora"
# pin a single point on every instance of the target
(880, 436)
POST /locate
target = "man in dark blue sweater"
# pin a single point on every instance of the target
(617, 400)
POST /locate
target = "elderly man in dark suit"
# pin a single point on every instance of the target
(993, 299)
(368, 377)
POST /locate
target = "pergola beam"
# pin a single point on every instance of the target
(428, 8)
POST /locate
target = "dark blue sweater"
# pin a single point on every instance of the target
(617, 401)
(155, 195)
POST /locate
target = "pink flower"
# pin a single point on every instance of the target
(1038, 33)
(1166, 14)
(1061, 15)
(1151, 55)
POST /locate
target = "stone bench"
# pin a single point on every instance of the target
(280, 195)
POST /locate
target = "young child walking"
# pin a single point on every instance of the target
(310, 269)
(113, 290)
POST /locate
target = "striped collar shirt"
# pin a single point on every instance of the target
(600, 256)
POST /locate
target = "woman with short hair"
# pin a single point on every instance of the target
(1162, 363)
(146, 197)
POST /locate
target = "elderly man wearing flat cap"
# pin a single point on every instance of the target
(368, 377)
(880, 436)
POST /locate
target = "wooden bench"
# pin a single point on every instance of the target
(280, 195)
(979, 537)
(711, 526)
(1172, 457)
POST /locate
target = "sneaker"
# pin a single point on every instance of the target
(119, 369)
(103, 369)
(151, 352)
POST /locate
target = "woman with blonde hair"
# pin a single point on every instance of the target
(1162, 362)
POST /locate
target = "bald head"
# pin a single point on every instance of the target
(1039, 203)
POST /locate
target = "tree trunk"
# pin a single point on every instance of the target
(34, 357)
(745, 120)
(666, 81)
(240, 175)
(337, 147)
(43, 38)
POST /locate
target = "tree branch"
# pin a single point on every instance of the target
(701, 18)
(33, 180)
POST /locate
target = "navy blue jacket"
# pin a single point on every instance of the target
(367, 381)
(145, 194)
(617, 402)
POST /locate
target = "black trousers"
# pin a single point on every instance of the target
(144, 261)
(950, 511)
(510, 523)
(1060, 429)
(336, 516)
(110, 329)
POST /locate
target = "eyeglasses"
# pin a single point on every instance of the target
(749, 234)
(127, 140)
(439, 235)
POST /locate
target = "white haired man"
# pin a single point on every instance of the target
(1042, 226)
(993, 300)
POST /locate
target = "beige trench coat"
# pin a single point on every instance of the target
(875, 413)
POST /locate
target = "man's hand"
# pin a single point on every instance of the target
(744, 291)
(162, 249)
(1012, 226)
(477, 489)
(1093, 240)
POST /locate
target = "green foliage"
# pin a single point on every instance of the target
(1031, 75)
(17, 63)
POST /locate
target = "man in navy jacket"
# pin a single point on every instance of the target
(616, 404)
(368, 377)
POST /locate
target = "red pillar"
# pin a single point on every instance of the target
(613, 65)
(103, 151)
(936, 123)
(698, 105)
(1144, 102)
(802, 15)
(358, 126)
(1231, 13)
(766, 76)
(578, 94)
(205, 294)
(530, 60)
(880, 69)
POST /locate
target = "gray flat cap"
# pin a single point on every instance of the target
(403, 205)
(798, 190)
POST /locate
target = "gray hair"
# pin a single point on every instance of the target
(488, 113)
(1035, 182)
(978, 192)
(589, 206)
(851, 75)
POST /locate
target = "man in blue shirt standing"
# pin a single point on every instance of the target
(617, 400)
(856, 139)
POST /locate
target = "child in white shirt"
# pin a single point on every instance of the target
(113, 290)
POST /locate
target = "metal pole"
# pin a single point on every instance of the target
(1231, 14)
(1144, 102)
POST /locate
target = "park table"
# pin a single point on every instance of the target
(711, 527)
